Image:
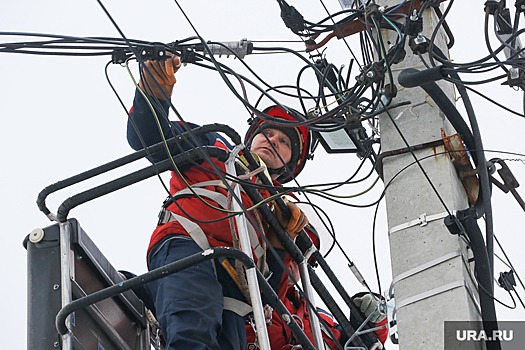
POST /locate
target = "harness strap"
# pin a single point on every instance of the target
(192, 228)
(215, 196)
(237, 306)
(196, 233)
(222, 200)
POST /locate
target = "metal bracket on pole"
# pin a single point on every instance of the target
(509, 181)
(251, 273)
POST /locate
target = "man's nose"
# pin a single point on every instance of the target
(273, 140)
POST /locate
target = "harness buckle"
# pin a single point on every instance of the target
(163, 216)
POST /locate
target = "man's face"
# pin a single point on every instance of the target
(262, 146)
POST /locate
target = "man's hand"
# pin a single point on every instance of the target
(158, 77)
(295, 223)
(369, 304)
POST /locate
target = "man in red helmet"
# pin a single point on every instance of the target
(194, 306)
(299, 142)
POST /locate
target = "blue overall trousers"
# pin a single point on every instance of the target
(189, 303)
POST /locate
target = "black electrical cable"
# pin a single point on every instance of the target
(349, 180)
(482, 168)
(264, 92)
(496, 299)
(268, 87)
(411, 77)
(384, 57)
(301, 27)
(274, 120)
(473, 144)
(251, 108)
(481, 60)
(301, 99)
(316, 193)
(498, 16)
(487, 40)
(483, 269)
(477, 82)
(435, 32)
(483, 174)
(513, 307)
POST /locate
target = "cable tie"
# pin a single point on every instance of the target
(422, 220)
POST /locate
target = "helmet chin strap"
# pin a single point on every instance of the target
(278, 172)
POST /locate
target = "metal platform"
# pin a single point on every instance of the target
(58, 276)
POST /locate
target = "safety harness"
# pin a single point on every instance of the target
(197, 234)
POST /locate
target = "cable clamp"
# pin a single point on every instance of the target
(422, 220)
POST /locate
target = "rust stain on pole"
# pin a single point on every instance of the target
(460, 158)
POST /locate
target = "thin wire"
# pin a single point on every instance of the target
(148, 153)
(417, 161)
(344, 39)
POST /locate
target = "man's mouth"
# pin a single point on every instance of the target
(268, 149)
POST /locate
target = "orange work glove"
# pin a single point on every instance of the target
(295, 223)
(158, 77)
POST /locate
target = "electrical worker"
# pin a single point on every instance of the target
(282, 338)
(193, 305)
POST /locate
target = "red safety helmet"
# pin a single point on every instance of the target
(299, 136)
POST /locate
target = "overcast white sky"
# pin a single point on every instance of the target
(60, 117)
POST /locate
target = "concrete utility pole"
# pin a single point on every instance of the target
(432, 280)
